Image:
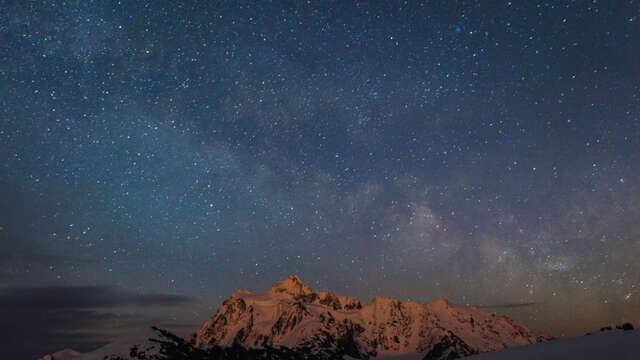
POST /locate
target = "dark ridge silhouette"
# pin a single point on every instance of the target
(626, 327)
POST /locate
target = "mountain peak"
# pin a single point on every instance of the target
(443, 301)
(294, 316)
(294, 278)
(292, 285)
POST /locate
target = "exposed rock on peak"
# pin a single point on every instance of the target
(442, 302)
(292, 285)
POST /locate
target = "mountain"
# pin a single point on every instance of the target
(66, 354)
(325, 325)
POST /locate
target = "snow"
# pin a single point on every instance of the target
(66, 354)
(291, 313)
(121, 346)
(619, 345)
(403, 356)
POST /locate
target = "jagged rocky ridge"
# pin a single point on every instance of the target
(324, 325)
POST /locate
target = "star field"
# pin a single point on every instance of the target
(486, 152)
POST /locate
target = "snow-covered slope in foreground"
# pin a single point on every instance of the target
(293, 315)
(66, 354)
(618, 345)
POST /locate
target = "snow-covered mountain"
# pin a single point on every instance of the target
(66, 354)
(293, 315)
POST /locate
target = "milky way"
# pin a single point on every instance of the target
(486, 152)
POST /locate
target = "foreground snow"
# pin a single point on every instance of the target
(121, 346)
(618, 345)
(66, 354)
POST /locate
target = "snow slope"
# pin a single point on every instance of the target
(120, 346)
(619, 345)
(66, 354)
(293, 315)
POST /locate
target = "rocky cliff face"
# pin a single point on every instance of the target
(326, 325)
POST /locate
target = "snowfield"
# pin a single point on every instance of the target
(614, 345)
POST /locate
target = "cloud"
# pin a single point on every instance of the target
(82, 297)
(39, 320)
(509, 305)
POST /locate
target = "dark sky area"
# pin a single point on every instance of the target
(156, 156)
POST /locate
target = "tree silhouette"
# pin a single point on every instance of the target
(169, 346)
(626, 326)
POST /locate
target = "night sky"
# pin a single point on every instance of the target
(157, 156)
